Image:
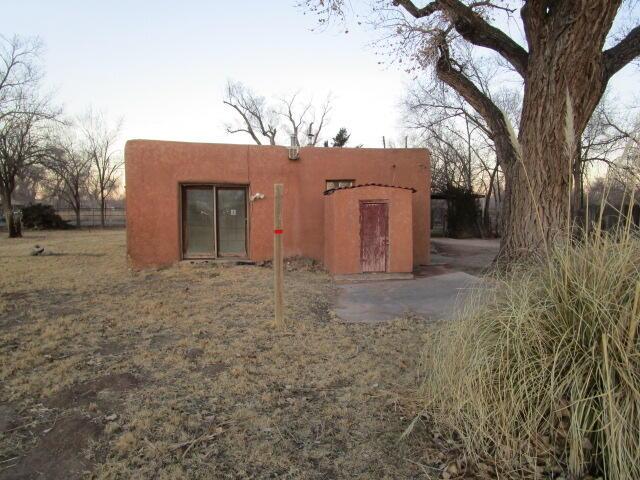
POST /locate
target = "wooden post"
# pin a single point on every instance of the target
(278, 267)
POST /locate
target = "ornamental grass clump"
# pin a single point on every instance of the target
(540, 371)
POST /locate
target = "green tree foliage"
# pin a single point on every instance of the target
(341, 138)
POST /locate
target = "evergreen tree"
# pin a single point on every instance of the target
(341, 138)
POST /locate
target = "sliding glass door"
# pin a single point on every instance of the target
(214, 221)
(198, 222)
(232, 221)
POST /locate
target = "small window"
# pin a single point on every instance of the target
(332, 184)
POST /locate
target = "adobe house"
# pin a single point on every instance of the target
(354, 210)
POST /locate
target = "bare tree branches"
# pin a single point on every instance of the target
(293, 120)
(473, 28)
(100, 138)
(261, 118)
(24, 118)
(70, 165)
(314, 134)
(19, 72)
(257, 117)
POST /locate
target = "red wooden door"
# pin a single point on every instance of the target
(374, 236)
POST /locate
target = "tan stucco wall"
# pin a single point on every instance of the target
(342, 228)
(154, 171)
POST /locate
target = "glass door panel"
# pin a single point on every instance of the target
(232, 221)
(198, 222)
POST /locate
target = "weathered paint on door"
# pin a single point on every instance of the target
(374, 236)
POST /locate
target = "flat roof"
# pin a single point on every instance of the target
(333, 190)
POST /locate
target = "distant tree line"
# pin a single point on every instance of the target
(43, 152)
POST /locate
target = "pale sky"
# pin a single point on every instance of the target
(162, 65)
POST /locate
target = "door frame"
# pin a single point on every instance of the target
(387, 242)
(182, 187)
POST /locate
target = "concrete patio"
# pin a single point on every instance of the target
(432, 294)
(431, 297)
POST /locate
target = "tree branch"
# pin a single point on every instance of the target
(473, 28)
(480, 102)
(249, 129)
(621, 54)
(411, 8)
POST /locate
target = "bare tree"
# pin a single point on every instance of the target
(625, 169)
(313, 134)
(461, 143)
(263, 120)
(29, 184)
(100, 139)
(565, 61)
(300, 115)
(24, 142)
(70, 166)
(19, 72)
(21, 116)
(256, 117)
(603, 141)
(293, 118)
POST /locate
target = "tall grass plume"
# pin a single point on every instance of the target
(540, 371)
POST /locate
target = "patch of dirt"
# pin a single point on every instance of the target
(321, 310)
(13, 313)
(193, 353)
(58, 454)
(214, 369)
(8, 418)
(296, 264)
(89, 392)
(21, 306)
(302, 264)
(111, 347)
(162, 340)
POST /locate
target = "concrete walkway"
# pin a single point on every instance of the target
(471, 255)
(454, 264)
(432, 297)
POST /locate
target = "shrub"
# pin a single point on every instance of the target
(540, 370)
(462, 213)
(42, 217)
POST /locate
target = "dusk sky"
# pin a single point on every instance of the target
(162, 65)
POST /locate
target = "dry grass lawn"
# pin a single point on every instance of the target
(178, 373)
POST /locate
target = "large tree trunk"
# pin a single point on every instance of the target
(12, 227)
(564, 82)
(535, 211)
(102, 211)
(77, 212)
